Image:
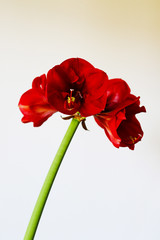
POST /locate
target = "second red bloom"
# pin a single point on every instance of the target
(118, 118)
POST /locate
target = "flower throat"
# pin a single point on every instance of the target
(73, 100)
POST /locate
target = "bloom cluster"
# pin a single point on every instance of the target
(77, 88)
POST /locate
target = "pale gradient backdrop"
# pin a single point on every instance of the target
(100, 192)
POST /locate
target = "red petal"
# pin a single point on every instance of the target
(60, 81)
(92, 106)
(77, 66)
(57, 80)
(117, 92)
(130, 132)
(119, 97)
(110, 124)
(39, 84)
(95, 94)
(35, 107)
(135, 108)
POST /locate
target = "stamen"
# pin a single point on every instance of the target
(73, 100)
(134, 139)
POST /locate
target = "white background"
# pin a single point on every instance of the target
(100, 192)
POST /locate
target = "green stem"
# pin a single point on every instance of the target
(38, 209)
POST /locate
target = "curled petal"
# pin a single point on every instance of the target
(117, 93)
(134, 108)
(130, 132)
(35, 107)
(39, 84)
(110, 124)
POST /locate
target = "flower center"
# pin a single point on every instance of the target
(73, 100)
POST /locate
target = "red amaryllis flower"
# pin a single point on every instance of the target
(118, 118)
(34, 104)
(71, 87)
(76, 86)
